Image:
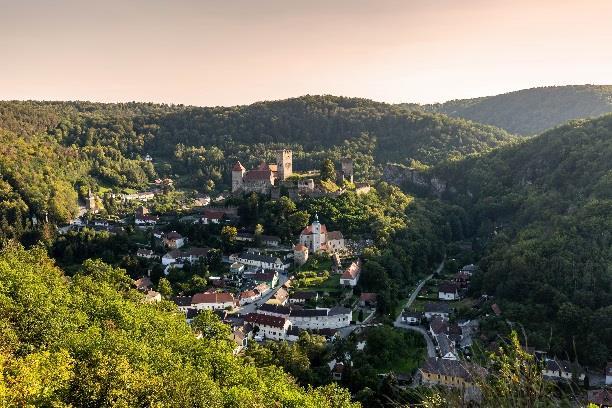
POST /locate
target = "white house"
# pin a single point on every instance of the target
(350, 277)
(212, 217)
(174, 240)
(448, 291)
(146, 254)
(146, 220)
(323, 318)
(411, 318)
(562, 370)
(270, 327)
(191, 255)
(213, 301)
(436, 309)
(249, 296)
(259, 260)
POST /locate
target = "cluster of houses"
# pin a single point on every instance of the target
(455, 288)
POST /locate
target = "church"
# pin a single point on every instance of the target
(316, 238)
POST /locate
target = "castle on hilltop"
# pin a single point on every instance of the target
(265, 176)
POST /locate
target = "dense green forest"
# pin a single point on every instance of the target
(62, 147)
(541, 212)
(531, 111)
(91, 341)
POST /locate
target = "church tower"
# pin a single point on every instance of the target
(237, 176)
(347, 169)
(284, 162)
(316, 234)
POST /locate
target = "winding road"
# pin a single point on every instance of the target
(431, 349)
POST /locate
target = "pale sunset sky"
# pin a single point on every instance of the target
(230, 52)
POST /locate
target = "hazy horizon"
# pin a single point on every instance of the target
(238, 52)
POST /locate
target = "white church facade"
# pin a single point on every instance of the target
(316, 238)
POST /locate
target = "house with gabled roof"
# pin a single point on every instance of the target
(270, 327)
(213, 300)
(350, 276)
(448, 291)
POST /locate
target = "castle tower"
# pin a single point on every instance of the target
(284, 162)
(347, 169)
(237, 176)
(316, 234)
(90, 202)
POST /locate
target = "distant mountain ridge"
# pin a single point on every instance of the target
(531, 111)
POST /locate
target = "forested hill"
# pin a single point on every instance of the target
(532, 111)
(543, 211)
(91, 341)
(51, 149)
(311, 122)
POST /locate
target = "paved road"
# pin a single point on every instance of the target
(252, 307)
(431, 349)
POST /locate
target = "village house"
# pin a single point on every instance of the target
(146, 254)
(449, 373)
(249, 296)
(601, 397)
(191, 255)
(213, 301)
(237, 268)
(280, 297)
(411, 318)
(269, 277)
(303, 296)
(350, 277)
(274, 310)
(240, 337)
(182, 302)
(262, 288)
(266, 240)
(448, 291)
(259, 260)
(323, 318)
(469, 269)
(367, 299)
(337, 371)
(173, 240)
(300, 254)
(556, 369)
(152, 296)
(143, 218)
(143, 284)
(270, 327)
(437, 309)
(316, 238)
(212, 217)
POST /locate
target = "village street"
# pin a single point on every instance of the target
(431, 349)
(252, 307)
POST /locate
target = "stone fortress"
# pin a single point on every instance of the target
(267, 178)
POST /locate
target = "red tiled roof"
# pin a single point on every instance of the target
(447, 287)
(213, 215)
(238, 167)
(352, 271)
(308, 230)
(173, 235)
(216, 297)
(496, 309)
(248, 294)
(255, 175)
(335, 235)
(300, 247)
(601, 397)
(266, 320)
(368, 297)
